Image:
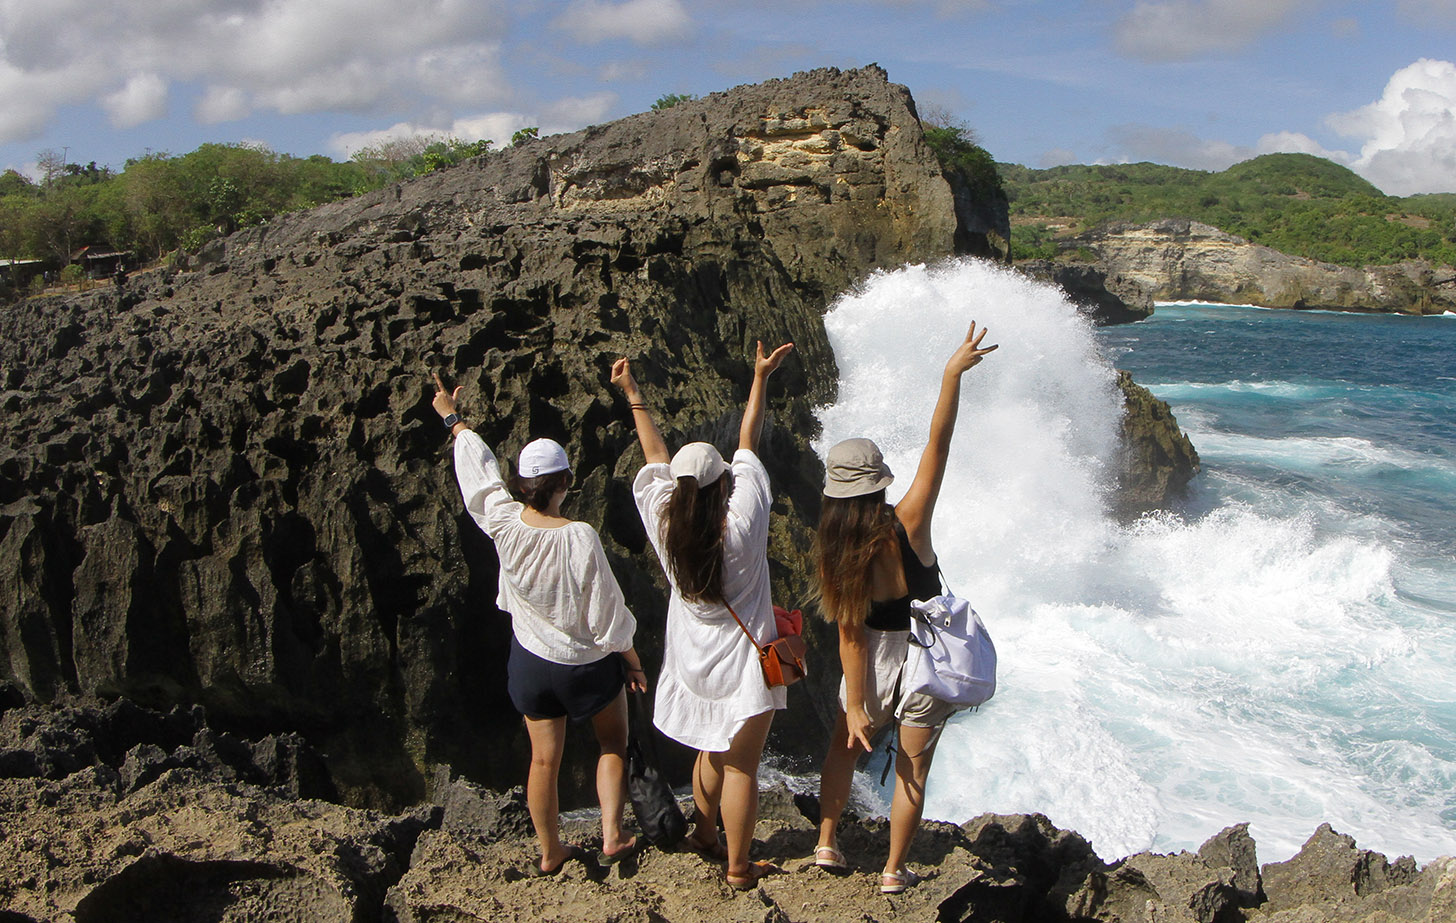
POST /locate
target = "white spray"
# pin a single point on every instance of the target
(1158, 682)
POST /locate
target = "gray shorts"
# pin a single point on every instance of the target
(885, 652)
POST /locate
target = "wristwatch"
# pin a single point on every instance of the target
(451, 420)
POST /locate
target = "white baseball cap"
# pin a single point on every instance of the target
(542, 456)
(699, 461)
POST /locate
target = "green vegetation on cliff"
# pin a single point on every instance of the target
(159, 202)
(1296, 203)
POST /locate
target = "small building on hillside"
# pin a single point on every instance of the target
(16, 275)
(99, 264)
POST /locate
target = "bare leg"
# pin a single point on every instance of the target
(707, 795)
(737, 770)
(912, 767)
(835, 776)
(548, 738)
(610, 725)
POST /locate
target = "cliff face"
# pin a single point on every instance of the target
(1181, 260)
(225, 485)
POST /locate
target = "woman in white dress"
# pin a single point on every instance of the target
(571, 631)
(708, 522)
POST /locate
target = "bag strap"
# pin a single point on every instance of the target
(941, 574)
(751, 639)
(641, 729)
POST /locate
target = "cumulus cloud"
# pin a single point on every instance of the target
(222, 104)
(644, 22)
(1293, 142)
(1175, 146)
(142, 99)
(1181, 30)
(1409, 134)
(560, 116)
(292, 56)
(494, 126)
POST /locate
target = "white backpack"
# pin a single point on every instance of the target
(951, 656)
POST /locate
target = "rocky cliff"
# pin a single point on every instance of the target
(225, 485)
(1181, 260)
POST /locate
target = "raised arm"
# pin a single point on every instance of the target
(915, 508)
(653, 448)
(763, 367)
(447, 402)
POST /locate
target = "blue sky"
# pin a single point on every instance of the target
(1196, 83)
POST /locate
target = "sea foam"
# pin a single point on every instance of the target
(1158, 681)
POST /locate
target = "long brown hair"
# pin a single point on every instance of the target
(692, 536)
(852, 532)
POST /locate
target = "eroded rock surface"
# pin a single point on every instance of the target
(185, 847)
(226, 485)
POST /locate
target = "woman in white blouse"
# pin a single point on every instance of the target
(708, 522)
(571, 630)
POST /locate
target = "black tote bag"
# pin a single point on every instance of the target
(657, 811)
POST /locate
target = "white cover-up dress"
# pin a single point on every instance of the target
(711, 683)
(564, 601)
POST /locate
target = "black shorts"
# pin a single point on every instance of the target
(542, 689)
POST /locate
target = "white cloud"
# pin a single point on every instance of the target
(1293, 142)
(222, 104)
(493, 126)
(292, 56)
(1181, 30)
(1409, 134)
(576, 112)
(142, 99)
(644, 22)
(1174, 146)
(561, 116)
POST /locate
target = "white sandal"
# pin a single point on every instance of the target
(827, 857)
(897, 882)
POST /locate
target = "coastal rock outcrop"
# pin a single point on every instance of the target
(1180, 260)
(1106, 296)
(224, 484)
(195, 842)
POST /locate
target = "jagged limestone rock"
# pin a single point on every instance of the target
(225, 485)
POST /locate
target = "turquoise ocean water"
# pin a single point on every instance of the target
(1282, 651)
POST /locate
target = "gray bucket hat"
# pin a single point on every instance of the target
(854, 468)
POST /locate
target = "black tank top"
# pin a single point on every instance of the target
(922, 581)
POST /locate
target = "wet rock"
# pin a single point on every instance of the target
(1103, 294)
(1157, 460)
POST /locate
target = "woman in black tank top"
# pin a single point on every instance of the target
(872, 560)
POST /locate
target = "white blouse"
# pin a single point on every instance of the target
(564, 601)
(711, 683)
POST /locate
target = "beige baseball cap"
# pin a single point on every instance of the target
(699, 461)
